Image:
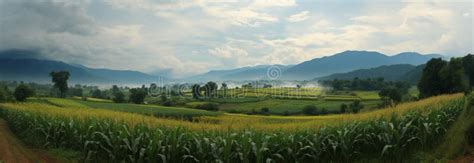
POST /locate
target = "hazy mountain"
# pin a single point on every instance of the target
(37, 70)
(413, 75)
(244, 73)
(350, 61)
(390, 72)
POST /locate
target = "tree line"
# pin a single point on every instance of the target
(444, 77)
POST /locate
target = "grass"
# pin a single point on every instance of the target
(455, 142)
(154, 110)
(281, 106)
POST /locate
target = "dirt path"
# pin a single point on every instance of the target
(13, 150)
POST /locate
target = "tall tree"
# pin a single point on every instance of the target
(453, 76)
(224, 89)
(210, 89)
(390, 95)
(431, 82)
(468, 64)
(60, 81)
(137, 95)
(196, 91)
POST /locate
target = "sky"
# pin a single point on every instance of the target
(184, 38)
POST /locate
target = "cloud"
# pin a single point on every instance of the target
(299, 17)
(189, 37)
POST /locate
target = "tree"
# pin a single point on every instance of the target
(196, 91)
(390, 95)
(453, 77)
(310, 110)
(22, 92)
(444, 77)
(431, 82)
(5, 94)
(468, 64)
(97, 93)
(210, 89)
(119, 97)
(224, 88)
(60, 81)
(137, 95)
(343, 108)
(264, 110)
(356, 106)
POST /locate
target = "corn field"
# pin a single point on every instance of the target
(392, 138)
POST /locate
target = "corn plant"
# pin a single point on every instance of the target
(101, 139)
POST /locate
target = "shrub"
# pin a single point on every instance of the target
(22, 92)
(310, 110)
(137, 95)
(5, 94)
(119, 97)
(168, 103)
(210, 106)
(264, 110)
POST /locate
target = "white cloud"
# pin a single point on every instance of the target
(228, 52)
(299, 17)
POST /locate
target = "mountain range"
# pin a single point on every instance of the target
(399, 72)
(338, 63)
(23, 65)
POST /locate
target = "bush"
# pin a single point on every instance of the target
(22, 92)
(310, 110)
(137, 95)
(5, 94)
(210, 106)
(168, 103)
(119, 97)
(264, 110)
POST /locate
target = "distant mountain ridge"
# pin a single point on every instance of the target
(343, 62)
(352, 60)
(388, 72)
(37, 70)
(245, 73)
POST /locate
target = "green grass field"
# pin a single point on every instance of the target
(158, 111)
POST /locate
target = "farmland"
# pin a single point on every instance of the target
(102, 133)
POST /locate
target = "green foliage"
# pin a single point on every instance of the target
(440, 77)
(356, 106)
(60, 81)
(391, 94)
(364, 84)
(343, 108)
(119, 97)
(210, 89)
(310, 110)
(196, 91)
(97, 93)
(468, 64)
(210, 106)
(137, 95)
(264, 110)
(5, 94)
(390, 139)
(22, 92)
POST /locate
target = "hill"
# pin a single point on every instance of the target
(21, 68)
(390, 72)
(350, 61)
(244, 73)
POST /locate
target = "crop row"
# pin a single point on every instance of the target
(103, 139)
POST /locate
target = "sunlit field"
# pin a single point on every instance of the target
(101, 131)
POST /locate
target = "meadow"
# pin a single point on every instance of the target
(286, 100)
(122, 135)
